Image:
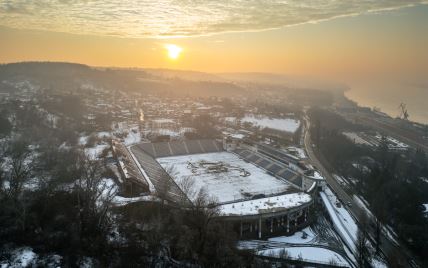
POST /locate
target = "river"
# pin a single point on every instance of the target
(387, 97)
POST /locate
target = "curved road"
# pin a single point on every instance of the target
(387, 247)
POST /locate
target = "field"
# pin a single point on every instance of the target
(224, 176)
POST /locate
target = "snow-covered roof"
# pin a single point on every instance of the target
(265, 205)
(317, 176)
(237, 136)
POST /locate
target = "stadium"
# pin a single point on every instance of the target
(254, 186)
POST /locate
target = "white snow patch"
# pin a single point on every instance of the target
(304, 236)
(355, 138)
(376, 263)
(83, 140)
(317, 176)
(121, 201)
(340, 179)
(103, 134)
(21, 257)
(363, 206)
(95, 152)
(265, 205)
(312, 254)
(342, 220)
(107, 190)
(296, 151)
(282, 124)
(133, 137)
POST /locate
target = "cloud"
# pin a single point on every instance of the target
(169, 18)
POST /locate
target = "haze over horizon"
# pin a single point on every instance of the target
(364, 44)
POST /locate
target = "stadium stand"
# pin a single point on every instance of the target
(157, 175)
(129, 168)
(276, 154)
(273, 167)
(178, 148)
(165, 149)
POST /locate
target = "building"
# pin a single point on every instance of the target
(258, 195)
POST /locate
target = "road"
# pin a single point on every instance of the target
(387, 246)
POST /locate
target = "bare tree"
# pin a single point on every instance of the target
(394, 258)
(187, 186)
(380, 216)
(94, 196)
(203, 212)
(164, 187)
(363, 252)
(20, 168)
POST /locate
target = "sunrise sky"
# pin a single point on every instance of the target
(333, 39)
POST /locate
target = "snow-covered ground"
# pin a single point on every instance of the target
(296, 151)
(265, 205)
(121, 201)
(342, 181)
(385, 229)
(317, 176)
(225, 186)
(346, 226)
(20, 257)
(282, 124)
(342, 220)
(296, 238)
(230, 120)
(95, 152)
(355, 138)
(177, 133)
(312, 254)
(362, 205)
(377, 263)
(397, 143)
(133, 137)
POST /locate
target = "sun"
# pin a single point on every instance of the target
(173, 51)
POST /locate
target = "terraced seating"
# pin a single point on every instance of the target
(275, 168)
(210, 146)
(194, 147)
(157, 175)
(275, 154)
(165, 149)
(162, 149)
(178, 148)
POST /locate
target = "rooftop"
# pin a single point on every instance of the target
(265, 205)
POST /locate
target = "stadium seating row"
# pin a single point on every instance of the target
(164, 149)
(158, 176)
(276, 169)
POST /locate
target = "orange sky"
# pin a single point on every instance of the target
(376, 44)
